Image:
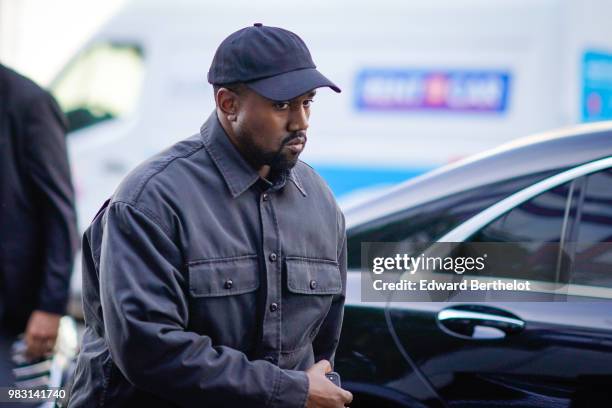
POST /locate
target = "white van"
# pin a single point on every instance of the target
(424, 82)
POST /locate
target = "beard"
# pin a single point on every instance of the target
(279, 160)
(284, 159)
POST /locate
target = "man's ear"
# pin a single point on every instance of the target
(228, 102)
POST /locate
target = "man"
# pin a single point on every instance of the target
(216, 274)
(37, 218)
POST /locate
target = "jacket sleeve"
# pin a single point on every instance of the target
(328, 337)
(46, 161)
(146, 313)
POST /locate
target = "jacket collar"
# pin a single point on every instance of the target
(236, 171)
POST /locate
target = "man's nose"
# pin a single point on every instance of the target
(298, 120)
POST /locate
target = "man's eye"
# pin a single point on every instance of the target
(281, 105)
(308, 102)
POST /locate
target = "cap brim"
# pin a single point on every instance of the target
(291, 84)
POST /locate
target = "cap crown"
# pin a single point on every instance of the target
(258, 52)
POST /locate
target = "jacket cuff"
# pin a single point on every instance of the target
(57, 306)
(290, 389)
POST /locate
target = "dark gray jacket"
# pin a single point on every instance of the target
(206, 286)
(38, 230)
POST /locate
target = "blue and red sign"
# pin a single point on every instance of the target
(596, 86)
(462, 91)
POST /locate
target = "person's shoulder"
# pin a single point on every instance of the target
(161, 175)
(20, 90)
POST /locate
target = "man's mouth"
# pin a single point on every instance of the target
(296, 145)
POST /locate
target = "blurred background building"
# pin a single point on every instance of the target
(37, 37)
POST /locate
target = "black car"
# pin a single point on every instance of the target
(554, 187)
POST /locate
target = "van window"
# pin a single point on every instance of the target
(101, 83)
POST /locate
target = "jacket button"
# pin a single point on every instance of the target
(274, 307)
(265, 197)
(228, 284)
(313, 284)
(273, 257)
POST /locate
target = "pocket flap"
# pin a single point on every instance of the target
(223, 277)
(313, 276)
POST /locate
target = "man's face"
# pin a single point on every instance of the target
(272, 133)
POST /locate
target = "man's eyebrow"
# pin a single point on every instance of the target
(311, 94)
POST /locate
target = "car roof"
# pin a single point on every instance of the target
(549, 151)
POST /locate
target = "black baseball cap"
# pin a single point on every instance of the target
(272, 61)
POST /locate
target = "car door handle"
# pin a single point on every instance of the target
(479, 325)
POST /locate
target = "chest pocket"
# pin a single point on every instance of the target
(311, 284)
(224, 277)
(223, 300)
(313, 276)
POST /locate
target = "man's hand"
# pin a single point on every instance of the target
(41, 333)
(322, 393)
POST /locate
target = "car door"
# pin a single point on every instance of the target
(371, 364)
(524, 353)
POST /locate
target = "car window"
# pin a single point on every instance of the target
(102, 83)
(593, 256)
(423, 224)
(530, 232)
